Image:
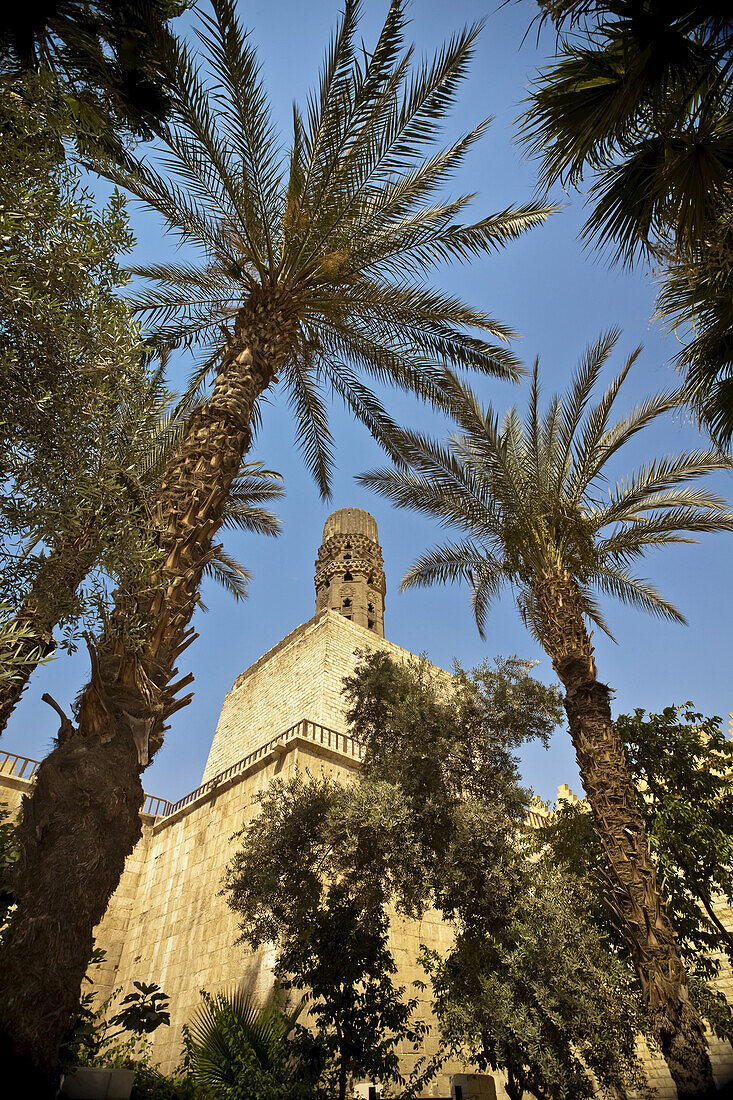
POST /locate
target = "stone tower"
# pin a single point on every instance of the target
(350, 570)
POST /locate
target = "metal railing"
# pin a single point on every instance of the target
(311, 731)
(20, 767)
(156, 806)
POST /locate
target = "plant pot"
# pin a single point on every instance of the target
(90, 1083)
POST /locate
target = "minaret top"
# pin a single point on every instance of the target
(350, 570)
(351, 521)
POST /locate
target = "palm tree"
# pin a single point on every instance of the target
(314, 274)
(108, 499)
(240, 1047)
(639, 100)
(531, 497)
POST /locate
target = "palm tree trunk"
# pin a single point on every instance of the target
(83, 818)
(613, 799)
(56, 583)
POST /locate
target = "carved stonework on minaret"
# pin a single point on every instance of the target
(350, 570)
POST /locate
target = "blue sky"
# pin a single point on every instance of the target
(559, 297)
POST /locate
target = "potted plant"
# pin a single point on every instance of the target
(100, 1052)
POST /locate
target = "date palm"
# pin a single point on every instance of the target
(531, 496)
(638, 107)
(313, 277)
(105, 515)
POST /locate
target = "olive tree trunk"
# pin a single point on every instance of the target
(55, 585)
(82, 820)
(613, 800)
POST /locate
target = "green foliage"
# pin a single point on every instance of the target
(639, 101)
(288, 882)
(532, 498)
(84, 404)
(91, 1039)
(436, 817)
(98, 61)
(150, 1084)
(66, 338)
(320, 862)
(144, 1010)
(541, 996)
(71, 359)
(239, 1050)
(15, 658)
(8, 857)
(439, 786)
(357, 1013)
(682, 764)
(337, 236)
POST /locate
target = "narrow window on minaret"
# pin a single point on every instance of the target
(348, 576)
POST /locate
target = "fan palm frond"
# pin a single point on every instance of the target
(228, 1026)
(638, 102)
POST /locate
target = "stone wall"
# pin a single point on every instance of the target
(178, 930)
(301, 677)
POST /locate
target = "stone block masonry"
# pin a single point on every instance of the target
(301, 677)
(168, 922)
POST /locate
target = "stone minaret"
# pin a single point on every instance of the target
(350, 569)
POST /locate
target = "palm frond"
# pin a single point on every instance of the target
(245, 117)
(227, 571)
(620, 584)
(521, 493)
(633, 496)
(312, 434)
(449, 563)
(331, 242)
(581, 388)
(585, 449)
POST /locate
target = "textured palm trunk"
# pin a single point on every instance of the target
(57, 582)
(613, 800)
(83, 818)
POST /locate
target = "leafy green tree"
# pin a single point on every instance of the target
(533, 501)
(112, 532)
(67, 341)
(84, 406)
(681, 763)
(332, 938)
(437, 816)
(639, 99)
(98, 61)
(18, 655)
(568, 841)
(314, 271)
(541, 996)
